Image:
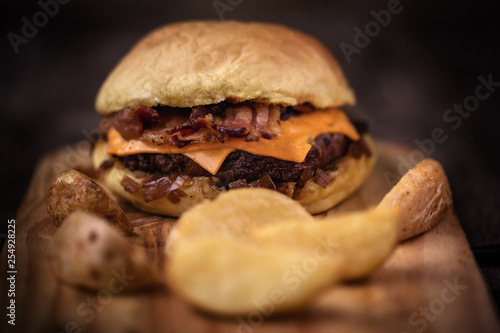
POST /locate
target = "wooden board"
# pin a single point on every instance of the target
(430, 283)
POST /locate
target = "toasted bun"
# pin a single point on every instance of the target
(348, 176)
(200, 63)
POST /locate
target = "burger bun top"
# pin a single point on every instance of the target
(205, 62)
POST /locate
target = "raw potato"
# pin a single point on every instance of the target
(423, 194)
(254, 246)
(72, 191)
(87, 251)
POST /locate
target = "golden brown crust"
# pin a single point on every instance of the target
(348, 176)
(423, 194)
(205, 62)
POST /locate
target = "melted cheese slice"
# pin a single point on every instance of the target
(293, 144)
(211, 159)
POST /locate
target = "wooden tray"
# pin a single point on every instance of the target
(430, 283)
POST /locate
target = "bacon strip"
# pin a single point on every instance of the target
(130, 121)
(237, 121)
(273, 123)
(201, 117)
(203, 124)
(261, 119)
(266, 122)
(182, 129)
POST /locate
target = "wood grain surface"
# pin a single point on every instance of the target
(429, 283)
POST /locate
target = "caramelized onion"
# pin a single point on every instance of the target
(304, 177)
(156, 189)
(323, 178)
(175, 195)
(168, 186)
(106, 164)
(264, 181)
(129, 185)
(286, 188)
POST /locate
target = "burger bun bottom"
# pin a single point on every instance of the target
(349, 175)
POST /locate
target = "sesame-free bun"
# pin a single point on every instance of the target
(348, 176)
(205, 62)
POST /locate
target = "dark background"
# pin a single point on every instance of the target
(427, 58)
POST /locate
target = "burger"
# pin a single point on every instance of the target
(197, 108)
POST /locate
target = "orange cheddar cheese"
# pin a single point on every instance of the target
(211, 159)
(293, 144)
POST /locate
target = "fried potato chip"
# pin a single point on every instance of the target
(229, 276)
(237, 212)
(254, 246)
(87, 251)
(423, 195)
(72, 191)
(361, 240)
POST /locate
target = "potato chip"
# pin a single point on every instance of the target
(236, 213)
(362, 240)
(231, 276)
(251, 249)
(272, 253)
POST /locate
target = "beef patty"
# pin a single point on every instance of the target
(240, 165)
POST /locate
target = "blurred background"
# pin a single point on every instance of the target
(407, 73)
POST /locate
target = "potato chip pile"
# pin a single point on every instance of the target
(249, 245)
